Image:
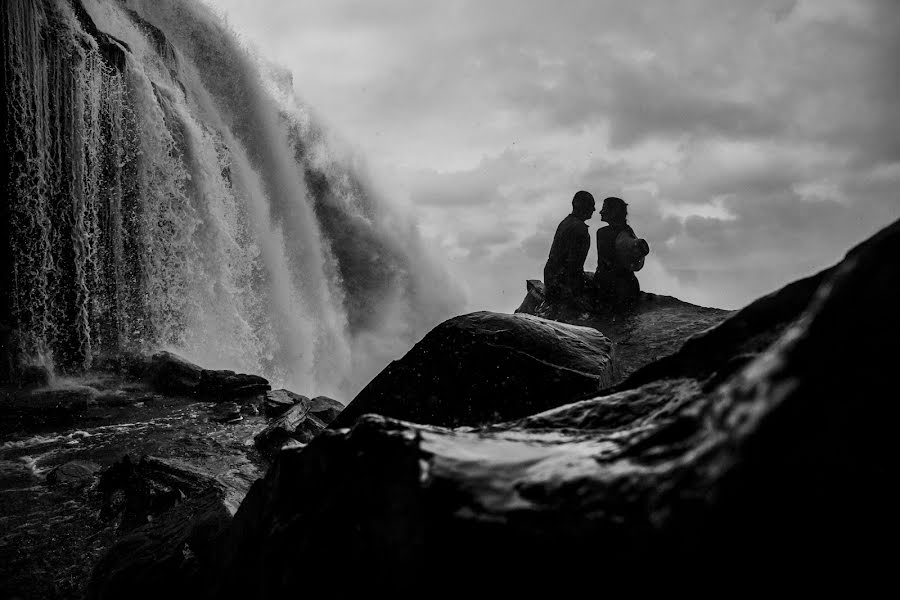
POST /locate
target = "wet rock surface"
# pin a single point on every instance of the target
(278, 401)
(75, 472)
(173, 515)
(58, 515)
(759, 453)
(56, 405)
(164, 557)
(484, 367)
(297, 425)
(171, 373)
(142, 462)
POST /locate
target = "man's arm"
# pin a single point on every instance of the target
(581, 245)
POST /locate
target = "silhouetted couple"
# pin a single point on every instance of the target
(619, 254)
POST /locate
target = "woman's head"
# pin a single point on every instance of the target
(614, 210)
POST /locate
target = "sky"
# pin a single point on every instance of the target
(755, 142)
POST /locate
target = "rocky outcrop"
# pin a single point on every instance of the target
(74, 472)
(224, 384)
(172, 515)
(653, 327)
(163, 558)
(774, 470)
(486, 367)
(279, 401)
(112, 49)
(47, 406)
(299, 424)
(171, 373)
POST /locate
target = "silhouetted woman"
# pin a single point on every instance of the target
(619, 254)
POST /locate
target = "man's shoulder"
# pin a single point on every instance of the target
(575, 223)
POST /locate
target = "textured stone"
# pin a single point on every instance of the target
(227, 412)
(173, 374)
(653, 327)
(225, 385)
(325, 409)
(297, 424)
(75, 472)
(278, 401)
(772, 467)
(162, 559)
(486, 367)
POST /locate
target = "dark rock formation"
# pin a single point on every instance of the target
(162, 559)
(112, 49)
(653, 327)
(136, 493)
(227, 412)
(721, 468)
(299, 424)
(171, 373)
(278, 401)
(58, 405)
(172, 515)
(74, 472)
(228, 384)
(325, 408)
(486, 367)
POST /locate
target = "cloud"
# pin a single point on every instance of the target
(754, 141)
(477, 186)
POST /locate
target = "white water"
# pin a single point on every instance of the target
(190, 202)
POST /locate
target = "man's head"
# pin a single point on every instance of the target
(583, 205)
(614, 210)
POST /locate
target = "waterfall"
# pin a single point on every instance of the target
(167, 190)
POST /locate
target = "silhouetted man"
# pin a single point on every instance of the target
(564, 279)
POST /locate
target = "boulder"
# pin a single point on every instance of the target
(224, 385)
(296, 424)
(163, 558)
(278, 401)
(325, 409)
(173, 374)
(486, 367)
(774, 468)
(75, 472)
(228, 412)
(138, 493)
(652, 327)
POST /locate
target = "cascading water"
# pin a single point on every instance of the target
(165, 190)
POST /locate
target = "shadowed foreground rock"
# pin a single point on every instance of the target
(484, 367)
(764, 470)
(172, 516)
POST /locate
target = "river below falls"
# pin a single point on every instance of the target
(52, 534)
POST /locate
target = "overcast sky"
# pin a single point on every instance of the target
(755, 141)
